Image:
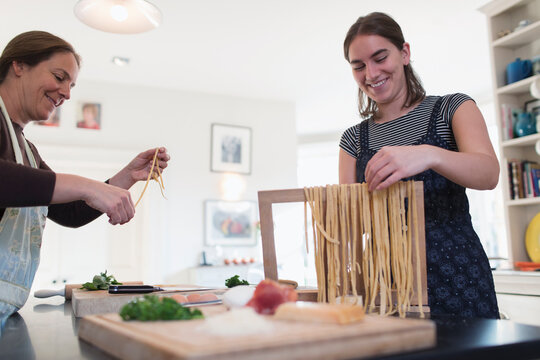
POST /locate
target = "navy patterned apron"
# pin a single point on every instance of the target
(459, 278)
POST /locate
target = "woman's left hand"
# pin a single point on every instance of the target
(140, 167)
(393, 163)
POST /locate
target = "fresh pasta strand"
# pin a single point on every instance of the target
(362, 237)
(152, 174)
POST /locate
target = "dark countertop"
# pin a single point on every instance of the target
(46, 329)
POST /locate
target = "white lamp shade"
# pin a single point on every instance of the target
(119, 16)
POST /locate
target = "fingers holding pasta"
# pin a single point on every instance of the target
(393, 163)
(149, 162)
(142, 167)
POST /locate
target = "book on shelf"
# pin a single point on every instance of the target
(509, 115)
(523, 179)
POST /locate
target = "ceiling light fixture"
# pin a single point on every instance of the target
(119, 16)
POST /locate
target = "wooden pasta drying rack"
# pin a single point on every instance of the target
(270, 197)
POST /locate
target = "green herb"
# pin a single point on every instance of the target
(101, 282)
(151, 308)
(235, 281)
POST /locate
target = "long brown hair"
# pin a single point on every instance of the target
(31, 48)
(381, 24)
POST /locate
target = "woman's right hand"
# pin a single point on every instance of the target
(111, 200)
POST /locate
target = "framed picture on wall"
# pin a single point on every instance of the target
(231, 149)
(89, 116)
(53, 120)
(230, 223)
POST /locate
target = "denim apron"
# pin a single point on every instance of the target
(459, 278)
(21, 230)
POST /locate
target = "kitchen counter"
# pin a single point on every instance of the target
(46, 329)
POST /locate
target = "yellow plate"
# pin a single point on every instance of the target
(532, 239)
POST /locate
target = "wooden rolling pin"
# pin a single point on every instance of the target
(68, 289)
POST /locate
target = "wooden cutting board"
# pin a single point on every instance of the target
(86, 302)
(290, 340)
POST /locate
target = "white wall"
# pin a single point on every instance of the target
(136, 118)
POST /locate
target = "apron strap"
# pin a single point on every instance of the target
(15, 142)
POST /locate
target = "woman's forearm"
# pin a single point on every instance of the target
(477, 171)
(112, 200)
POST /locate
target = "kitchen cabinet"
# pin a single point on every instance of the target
(521, 43)
(518, 295)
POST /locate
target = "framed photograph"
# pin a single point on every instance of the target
(231, 149)
(230, 223)
(53, 120)
(89, 116)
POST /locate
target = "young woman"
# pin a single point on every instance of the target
(37, 73)
(440, 140)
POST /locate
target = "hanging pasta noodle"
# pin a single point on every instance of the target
(152, 174)
(362, 237)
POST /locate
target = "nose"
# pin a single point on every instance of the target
(65, 91)
(372, 71)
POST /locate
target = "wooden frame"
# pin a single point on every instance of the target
(267, 198)
(231, 149)
(89, 115)
(230, 223)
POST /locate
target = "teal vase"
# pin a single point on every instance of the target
(525, 125)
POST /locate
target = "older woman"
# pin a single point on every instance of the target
(37, 72)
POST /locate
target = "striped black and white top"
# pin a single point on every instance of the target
(407, 129)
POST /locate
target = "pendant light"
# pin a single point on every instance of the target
(119, 16)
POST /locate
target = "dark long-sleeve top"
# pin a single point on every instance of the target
(22, 185)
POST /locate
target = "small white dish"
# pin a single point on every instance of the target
(238, 296)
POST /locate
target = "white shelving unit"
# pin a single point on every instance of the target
(517, 291)
(525, 44)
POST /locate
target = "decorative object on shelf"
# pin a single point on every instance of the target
(503, 33)
(118, 16)
(526, 125)
(534, 89)
(527, 266)
(522, 24)
(230, 223)
(533, 107)
(518, 70)
(537, 144)
(536, 67)
(231, 149)
(532, 239)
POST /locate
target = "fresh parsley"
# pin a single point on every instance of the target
(235, 281)
(152, 307)
(101, 282)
